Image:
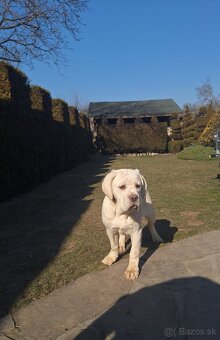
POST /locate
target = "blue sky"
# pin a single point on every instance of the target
(139, 50)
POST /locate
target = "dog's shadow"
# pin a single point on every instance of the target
(166, 232)
(164, 229)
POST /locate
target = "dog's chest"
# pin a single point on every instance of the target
(124, 225)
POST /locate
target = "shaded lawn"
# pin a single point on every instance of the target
(54, 234)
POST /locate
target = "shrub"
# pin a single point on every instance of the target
(196, 152)
(60, 111)
(187, 123)
(207, 137)
(175, 129)
(175, 115)
(175, 146)
(5, 85)
(188, 141)
(82, 120)
(176, 136)
(188, 128)
(175, 124)
(41, 102)
(132, 138)
(73, 116)
(14, 90)
(201, 121)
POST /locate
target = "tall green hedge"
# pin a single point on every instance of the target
(41, 102)
(124, 138)
(14, 91)
(73, 116)
(60, 111)
(33, 145)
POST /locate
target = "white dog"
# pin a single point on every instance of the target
(127, 200)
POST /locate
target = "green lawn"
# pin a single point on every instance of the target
(197, 153)
(54, 234)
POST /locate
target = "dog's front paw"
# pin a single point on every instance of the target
(121, 249)
(131, 274)
(110, 258)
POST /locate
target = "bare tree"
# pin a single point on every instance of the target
(80, 103)
(206, 95)
(36, 29)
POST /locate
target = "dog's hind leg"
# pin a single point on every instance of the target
(148, 212)
(155, 237)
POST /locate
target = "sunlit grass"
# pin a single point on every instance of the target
(186, 193)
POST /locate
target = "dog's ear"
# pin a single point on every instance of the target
(107, 184)
(143, 187)
(145, 191)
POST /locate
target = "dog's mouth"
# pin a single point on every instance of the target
(134, 207)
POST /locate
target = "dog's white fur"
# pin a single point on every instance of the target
(127, 200)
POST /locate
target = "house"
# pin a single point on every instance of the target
(132, 126)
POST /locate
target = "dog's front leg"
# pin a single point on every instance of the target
(113, 254)
(132, 271)
(121, 244)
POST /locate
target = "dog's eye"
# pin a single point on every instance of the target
(122, 187)
(138, 186)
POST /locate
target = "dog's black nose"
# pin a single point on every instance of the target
(133, 198)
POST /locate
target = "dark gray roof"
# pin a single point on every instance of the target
(161, 107)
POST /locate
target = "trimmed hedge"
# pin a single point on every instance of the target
(175, 124)
(207, 137)
(188, 141)
(83, 120)
(41, 102)
(176, 136)
(5, 85)
(132, 138)
(60, 111)
(187, 122)
(33, 146)
(175, 146)
(73, 116)
(201, 121)
(188, 128)
(14, 91)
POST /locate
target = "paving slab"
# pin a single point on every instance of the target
(176, 295)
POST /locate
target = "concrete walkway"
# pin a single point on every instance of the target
(177, 295)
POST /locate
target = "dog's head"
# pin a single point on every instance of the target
(126, 186)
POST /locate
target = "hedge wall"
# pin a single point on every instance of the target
(73, 116)
(33, 146)
(175, 146)
(60, 111)
(41, 103)
(132, 138)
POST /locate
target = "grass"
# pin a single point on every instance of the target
(54, 234)
(197, 153)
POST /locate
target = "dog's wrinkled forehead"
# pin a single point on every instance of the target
(127, 176)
